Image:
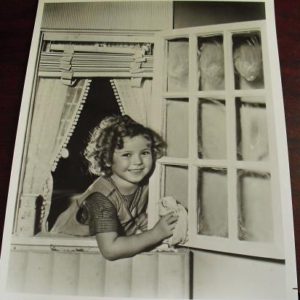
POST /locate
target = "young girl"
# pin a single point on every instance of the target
(123, 154)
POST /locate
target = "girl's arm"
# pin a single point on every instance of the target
(113, 246)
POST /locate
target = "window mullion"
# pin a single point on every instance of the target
(231, 138)
(192, 167)
(156, 121)
(193, 135)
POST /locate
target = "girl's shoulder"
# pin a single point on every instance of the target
(102, 185)
(97, 199)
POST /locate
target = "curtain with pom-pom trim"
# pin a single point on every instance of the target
(134, 100)
(56, 111)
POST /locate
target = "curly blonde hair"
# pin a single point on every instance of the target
(109, 135)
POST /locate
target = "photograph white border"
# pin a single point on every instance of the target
(289, 243)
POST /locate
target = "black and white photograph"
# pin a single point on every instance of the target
(151, 156)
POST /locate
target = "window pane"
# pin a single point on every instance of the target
(211, 63)
(255, 207)
(212, 202)
(178, 65)
(252, 131)
(211, 129)
(176, 184)
(248, 63)
(177, 128)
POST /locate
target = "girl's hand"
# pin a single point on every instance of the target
(113, 246)
(165, 226)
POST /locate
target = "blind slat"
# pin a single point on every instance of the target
(93, 62)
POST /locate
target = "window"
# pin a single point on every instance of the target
(66, 65)
(214, 97)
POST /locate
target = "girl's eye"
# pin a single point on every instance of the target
(126, 155)
(148, 152)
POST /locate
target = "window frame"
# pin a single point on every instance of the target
(67, 36)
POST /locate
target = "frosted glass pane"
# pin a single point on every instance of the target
(177, 128)
(255, 207)
(212, 129)
(211, 63)
(252, 132)
(178, 65)
(248, 62)
(212, 203)
(176, 183)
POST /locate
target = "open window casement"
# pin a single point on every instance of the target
(213, 104)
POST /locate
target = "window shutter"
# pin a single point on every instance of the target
(212, 117)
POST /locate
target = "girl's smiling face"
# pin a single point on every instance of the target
(132, 163)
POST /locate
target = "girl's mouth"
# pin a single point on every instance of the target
(136, 170)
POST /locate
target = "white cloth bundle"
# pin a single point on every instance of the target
(169, 204)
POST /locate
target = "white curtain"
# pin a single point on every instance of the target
(133, 100)
(56, 111)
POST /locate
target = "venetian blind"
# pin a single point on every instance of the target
(85, 59)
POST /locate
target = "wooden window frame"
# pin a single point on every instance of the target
(50, 239)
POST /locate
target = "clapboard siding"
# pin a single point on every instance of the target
(144, 283)
(86, 273)
(148, 275)
(38, 274)
(65, 273)
(118, 278)
(169, 272)
(91, 285)
(16, 274)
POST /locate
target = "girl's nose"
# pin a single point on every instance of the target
(137, 160)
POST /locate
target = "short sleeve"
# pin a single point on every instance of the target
(102, 214)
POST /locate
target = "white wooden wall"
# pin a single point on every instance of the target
(87, 273)
(109, 15)
(232, 277)
(202, 275)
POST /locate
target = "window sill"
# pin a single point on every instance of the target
(67, 243)
(54, 240)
